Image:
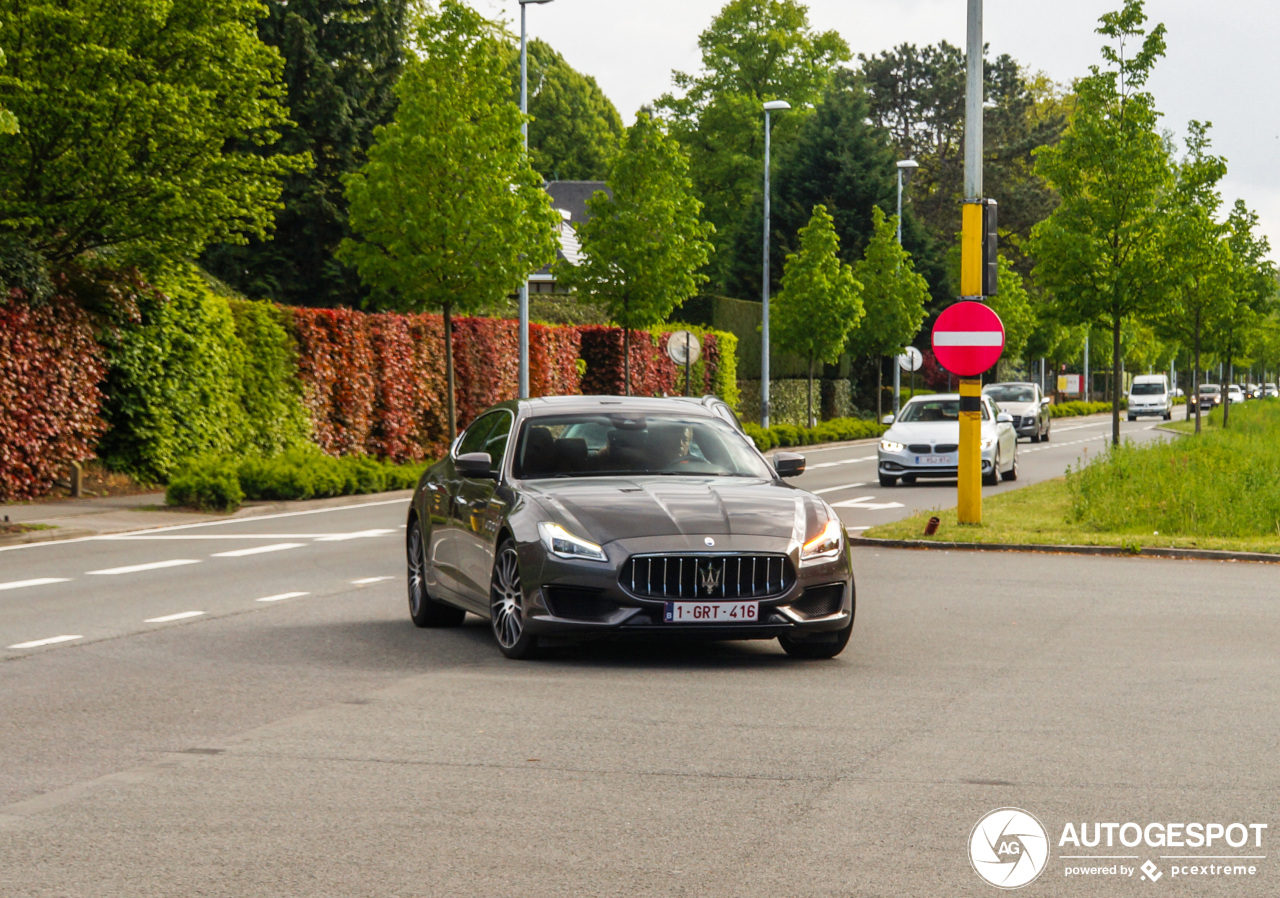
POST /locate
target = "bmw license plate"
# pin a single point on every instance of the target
(934, 460)
(712, 612)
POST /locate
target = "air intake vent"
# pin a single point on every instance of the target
(820, 601)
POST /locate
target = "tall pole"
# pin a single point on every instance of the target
(524, 133)
(764, 289)
(897, 369)
(969, 470)
(1086, 366)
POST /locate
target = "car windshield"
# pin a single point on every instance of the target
(921, 411)
(1210, 388)
(601, 445)
(1011, 393)
(1155, 389)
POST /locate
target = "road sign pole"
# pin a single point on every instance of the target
(897, 386)
(969, 481)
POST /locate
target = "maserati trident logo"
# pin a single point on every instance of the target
(708, 578)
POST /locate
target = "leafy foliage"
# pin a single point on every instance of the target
(340, 62)
(892, 293)
(575, 132)
(50, 369)
(821, 301)
(139, 121)
(269, 389)
(752, 52)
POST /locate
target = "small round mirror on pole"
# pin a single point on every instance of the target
(683, 348)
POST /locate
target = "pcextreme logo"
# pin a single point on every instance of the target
(1008, 848)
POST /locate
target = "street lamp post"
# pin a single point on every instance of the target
(771, 106)
(524, 132)
(906, 168)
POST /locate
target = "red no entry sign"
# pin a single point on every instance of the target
(968, 338)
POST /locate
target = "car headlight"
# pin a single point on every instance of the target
(987, 443)
(826, 544)
(562, 543)
(891, 446)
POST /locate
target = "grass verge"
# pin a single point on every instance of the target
(1040, 515)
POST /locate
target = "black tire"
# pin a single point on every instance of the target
(425, 611)
(811, 650)
(1035, 437)
(1045, 438)
(1133, 418)
(993, 478)
(506, 605)
(908, 478)
(1168, 416)
(886, 480)
(1012, 473)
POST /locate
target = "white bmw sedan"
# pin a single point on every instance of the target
(924, 441)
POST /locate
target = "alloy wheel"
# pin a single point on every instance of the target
(506, 598)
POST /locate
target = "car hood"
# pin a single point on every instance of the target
(605, 509)
(1019, 408)
(931, 431)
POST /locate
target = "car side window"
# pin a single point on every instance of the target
(496, 442)
(475, 437)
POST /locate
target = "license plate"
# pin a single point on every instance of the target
(934, 460)
(712, 612)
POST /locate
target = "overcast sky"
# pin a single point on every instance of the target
(1221, 66)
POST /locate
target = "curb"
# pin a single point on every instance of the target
(1182, 554)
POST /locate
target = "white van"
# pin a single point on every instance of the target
(1149, 395)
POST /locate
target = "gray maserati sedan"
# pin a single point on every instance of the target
(571, 518)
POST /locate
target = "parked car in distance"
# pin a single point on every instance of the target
(1210, 396)
(1028, 406)
(924, 441)
(1252, 391)
(1149, 395)
(1235, 395)
(1270, 391)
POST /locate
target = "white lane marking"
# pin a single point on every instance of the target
(846, 461)
(866, 503)
(152, 566)
(249, 519)
(370, 580)
(39, 642)
(257, 550)
(836, 489)
(42, 581)
(359, 534)
(282, 596)
(861, 527)
(172, 617)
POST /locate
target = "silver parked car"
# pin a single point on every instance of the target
(1028, 406)
(924, 441)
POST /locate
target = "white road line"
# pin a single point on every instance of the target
(359, 534)
(370, 580)
(866, 503)
(257, 550)
(863, 527)
(834, 489)
(172, 617)
(154, 565)
(42, 581)
(282, 597)
(39, 642)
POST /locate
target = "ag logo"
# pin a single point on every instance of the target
(1008, 848)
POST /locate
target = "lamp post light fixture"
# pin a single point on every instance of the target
(771, 106)
(906, 168)
(524, 132)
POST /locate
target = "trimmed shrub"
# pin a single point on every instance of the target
(837, 430)
(335, 363)
(486, 360)
(50, 402)
(1075, 409)
(553, 361)
(270, 392)
(209, 484)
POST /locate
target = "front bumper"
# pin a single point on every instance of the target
(581, 600)
(1138, 411)
(899, 464)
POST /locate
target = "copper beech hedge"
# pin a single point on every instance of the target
(50, 402)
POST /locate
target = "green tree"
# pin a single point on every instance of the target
(753, 51)
(449, 214)
(575, 131)
(8, 121)
(1013, 304)
(644, 247)
(1194, 236)
(1099, 252)
(893, 294)
(139, 121)
(820, 303)
(341, 60)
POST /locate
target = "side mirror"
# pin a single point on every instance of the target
(788, 464)
(887, 419)
(476, 464)
(1004, 418)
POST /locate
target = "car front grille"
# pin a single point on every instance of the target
(820, 601)
(707, 576)
(922, 448)
(946, 447)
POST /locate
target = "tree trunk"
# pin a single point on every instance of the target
(809, 418)
(1231, 376)
(1194, 395)
(626, 361)
(1115, 381)
(448, 370)
(879, 387)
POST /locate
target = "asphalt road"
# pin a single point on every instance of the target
(319, 744)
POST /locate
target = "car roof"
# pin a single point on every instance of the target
(1010, 383)
(559, 405)
(1149, 378)
(928, 396)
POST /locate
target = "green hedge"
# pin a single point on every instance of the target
(1076, 409)
(221, 483)
(837, 430)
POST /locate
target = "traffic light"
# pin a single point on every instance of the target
(990, 264)
(979, 268)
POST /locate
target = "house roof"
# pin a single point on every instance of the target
(569, 198)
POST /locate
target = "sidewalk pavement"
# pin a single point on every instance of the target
(97, 516)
